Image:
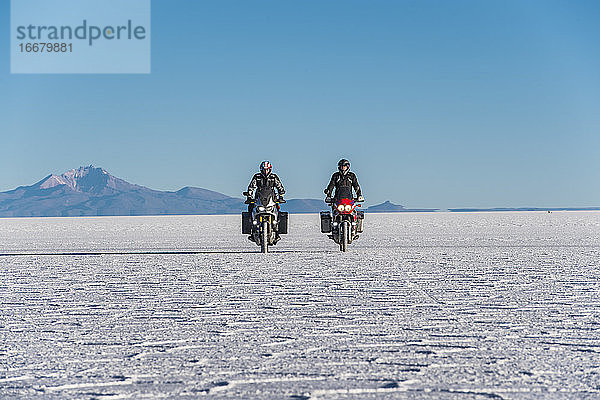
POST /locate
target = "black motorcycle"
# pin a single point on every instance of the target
(267, 221)
(345, 222)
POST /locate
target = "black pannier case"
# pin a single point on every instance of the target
(325, 222)
(361, 217)
(246, 223)
(283, 222)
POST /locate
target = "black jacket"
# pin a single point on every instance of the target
(339, 180)
(259, 180)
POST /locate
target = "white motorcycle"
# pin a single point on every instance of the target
(267, 221)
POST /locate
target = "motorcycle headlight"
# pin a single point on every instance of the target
(340, 208)
(348, 208)
(261, 209)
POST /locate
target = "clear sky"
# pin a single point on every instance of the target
(436, 103)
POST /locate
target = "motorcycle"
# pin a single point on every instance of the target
(345, 222)
(267, 221)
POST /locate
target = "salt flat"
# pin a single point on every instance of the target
(441, 305)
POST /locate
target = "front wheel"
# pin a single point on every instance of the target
(264, 237)
(344, 232)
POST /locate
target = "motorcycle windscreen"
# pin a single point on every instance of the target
(343, 192)
(266, 196)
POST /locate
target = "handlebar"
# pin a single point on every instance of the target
(253, 201)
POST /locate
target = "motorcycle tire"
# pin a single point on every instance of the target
(264, 236)
(344, 233)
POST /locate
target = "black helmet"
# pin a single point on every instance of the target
(344, 163)
(266, 168)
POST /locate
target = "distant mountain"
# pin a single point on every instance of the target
(386, 207)
(91, 191)
(391, 207)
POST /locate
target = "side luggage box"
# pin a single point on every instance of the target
(246, 223)
(361, 217)
(325, 222)
(283, 222)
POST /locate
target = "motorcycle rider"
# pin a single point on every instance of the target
(266, 177)
(343, 178)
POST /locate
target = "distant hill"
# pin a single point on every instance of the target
(388, 206)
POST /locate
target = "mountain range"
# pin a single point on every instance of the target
(92, 191)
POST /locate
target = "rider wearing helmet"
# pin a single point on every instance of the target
(264, 178)
(343, 178)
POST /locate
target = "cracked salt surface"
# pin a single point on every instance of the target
(448, 306)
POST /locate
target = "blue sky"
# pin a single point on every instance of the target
(435, 103)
